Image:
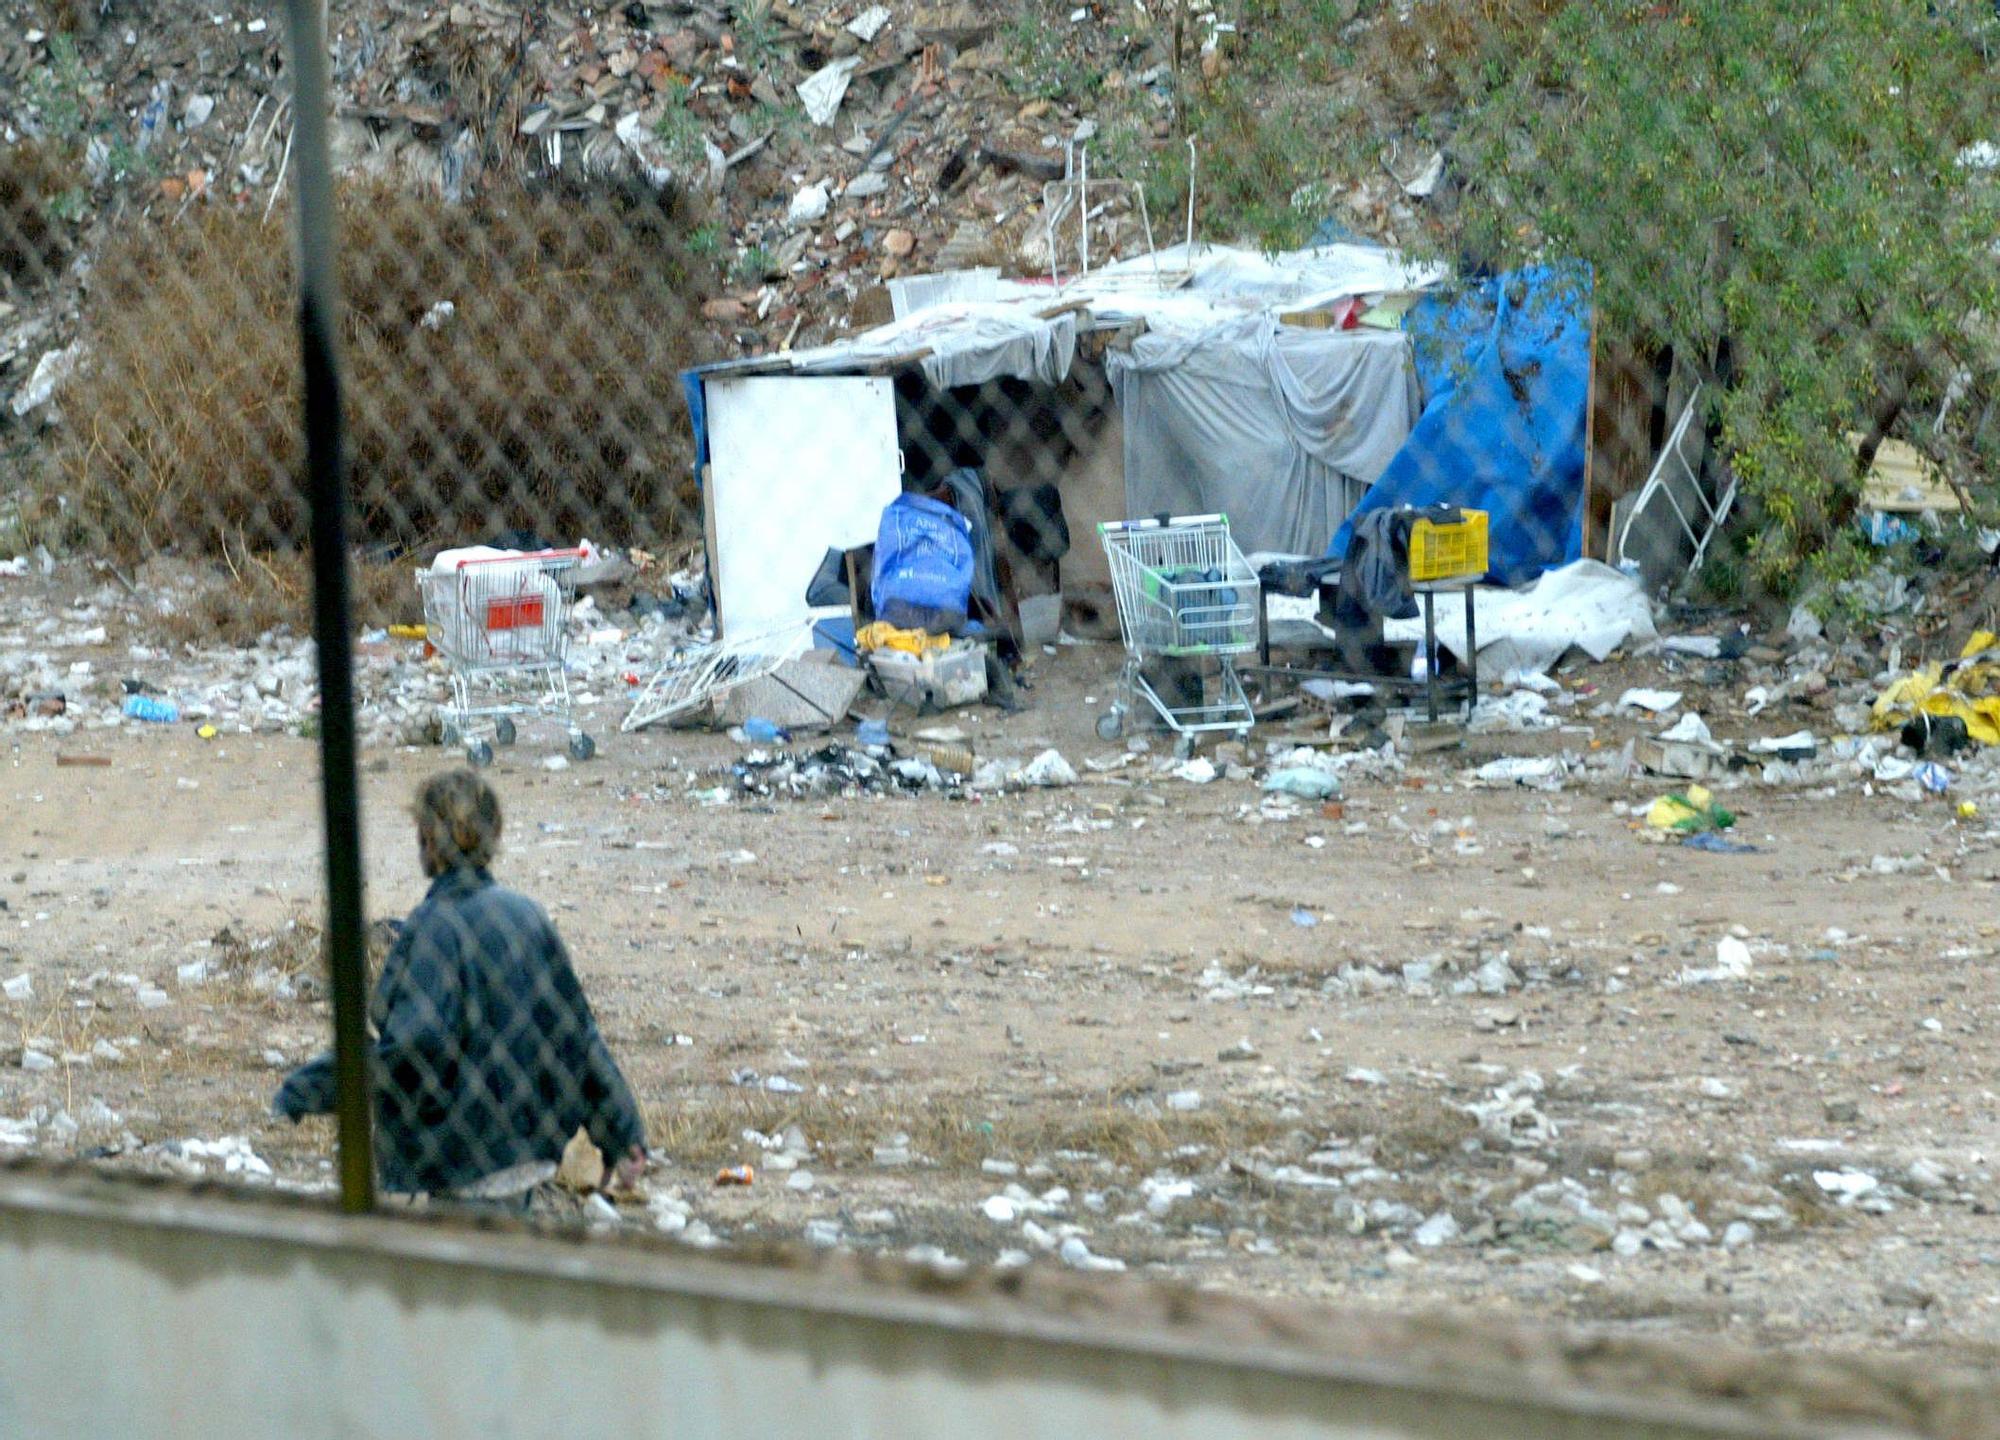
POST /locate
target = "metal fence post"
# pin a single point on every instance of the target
(319, 309)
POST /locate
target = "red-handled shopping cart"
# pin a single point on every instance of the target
(501, 625)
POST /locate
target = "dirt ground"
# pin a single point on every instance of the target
(1095, 992)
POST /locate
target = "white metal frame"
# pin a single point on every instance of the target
(1674, 467)
(701, 673)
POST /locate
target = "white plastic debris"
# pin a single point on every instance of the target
(51, 372)
(1184, 1101)
(823, 90)
(1047, 770)
(232, 1150)
(1690, 729)
(869, 23)
(1440, 1229)
(1163, 1191)
(1659, 702)
(1001, 1210)
(21, 987)
(1198, 771)
(1846, 1186)
(1732, 962)
(809, 205)
(1543, 772)
(1077, 1255)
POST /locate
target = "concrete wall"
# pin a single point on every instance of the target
(151, 1312)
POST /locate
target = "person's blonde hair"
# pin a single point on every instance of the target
(458, 822)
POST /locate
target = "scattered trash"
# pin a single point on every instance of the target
(1966, 689)
(736, 1175)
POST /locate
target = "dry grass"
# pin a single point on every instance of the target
(953, 1133)
(253, 594)
(546, 399)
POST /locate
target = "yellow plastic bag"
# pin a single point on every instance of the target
(887, 637)
(1971, 692)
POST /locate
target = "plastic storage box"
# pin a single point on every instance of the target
(945, 680)
(1451, 551)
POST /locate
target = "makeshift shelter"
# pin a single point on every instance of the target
(1283, 430)
(1208, 379)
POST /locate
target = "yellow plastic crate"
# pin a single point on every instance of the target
(1449, 552)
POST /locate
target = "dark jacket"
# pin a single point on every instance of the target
(486, 1053)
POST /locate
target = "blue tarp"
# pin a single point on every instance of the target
(1505, 369)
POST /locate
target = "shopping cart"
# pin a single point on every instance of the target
(501, 622)
(1187, 604)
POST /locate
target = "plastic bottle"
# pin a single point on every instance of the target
(759, 731)
(151, 709)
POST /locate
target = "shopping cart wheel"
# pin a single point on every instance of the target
(1184, 748)
(504, 731)
(1111, 724)
(479, 754)
(581, 746)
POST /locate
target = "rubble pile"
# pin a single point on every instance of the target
(843, 144)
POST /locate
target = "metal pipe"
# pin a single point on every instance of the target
(1191, 170)
(1083, 205)
(326, 483)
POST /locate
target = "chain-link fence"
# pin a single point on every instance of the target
(700, 412)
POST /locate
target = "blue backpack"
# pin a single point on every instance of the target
(923, 566)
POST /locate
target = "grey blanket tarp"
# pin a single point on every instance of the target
(969, 344)
(1277, 428)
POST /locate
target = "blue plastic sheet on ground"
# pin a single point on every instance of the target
(1505, 369)
(1716, 845)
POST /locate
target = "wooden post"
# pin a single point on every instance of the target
(1590, 448)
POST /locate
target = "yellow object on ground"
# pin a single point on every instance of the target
(408, 632)
(912, 642)
(1690, 812)
(1968, 688)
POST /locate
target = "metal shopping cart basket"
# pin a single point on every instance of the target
(1187, 604)
(501, 623)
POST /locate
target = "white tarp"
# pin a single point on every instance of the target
(1585, 606)
(1227, 278)
(1280, 429)
(969, 344)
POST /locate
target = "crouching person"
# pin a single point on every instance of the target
(486, 1056)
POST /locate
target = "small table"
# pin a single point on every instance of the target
(1432, 683)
